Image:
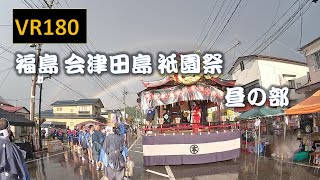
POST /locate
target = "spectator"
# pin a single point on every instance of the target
(97, 141)
(60, 135)
(90, 144)
(75, 141)
(113, 146)
(82, 142)
(12, 165)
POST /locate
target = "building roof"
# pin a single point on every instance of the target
(109, 111)
(13, 109)
(309, 44)
(78, 102)
(47, 113)
(264, 57)
(15, 119)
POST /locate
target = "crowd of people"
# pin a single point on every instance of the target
(105, 148)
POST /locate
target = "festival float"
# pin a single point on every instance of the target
(185, 132)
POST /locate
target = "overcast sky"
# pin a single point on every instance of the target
(151, 26)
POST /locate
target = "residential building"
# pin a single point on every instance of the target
(18, 117)
(17, 110)
(312, 53)
(266, 71)
(74, 112)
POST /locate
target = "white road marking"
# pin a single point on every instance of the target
(134, 143)
(306, 165)
(46, 157)
(171, 176)
(157, 173)
(137, 151)
(138, 147)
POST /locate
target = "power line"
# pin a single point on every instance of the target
(26, 4)
(274, 18)
(6, 77)
(213, 7)
(220, 21)
(70, 88)
(301, 26)
(281, 30)
(271, 26)
(233, 22)
(212, 23)
(266, 32)
(34, 4)
(66, 3)
(6, 69)
(226, 23)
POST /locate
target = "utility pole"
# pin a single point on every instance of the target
(33, 86)
(125, 93)
(39, 116)
(34, 83)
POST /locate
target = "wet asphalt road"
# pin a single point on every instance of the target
(66, 165)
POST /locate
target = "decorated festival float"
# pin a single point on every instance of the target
(184, 132)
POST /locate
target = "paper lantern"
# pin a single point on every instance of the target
(161, 120)
(207, 91)
(156, 96)
(178, 92)
(178, 120)
(164, 96)
(200, 88)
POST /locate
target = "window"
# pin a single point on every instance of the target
(59, 109)
(241, 65)
(83, 108)
(71, 110)
(316, 60)
(291, 84)
(298, 85)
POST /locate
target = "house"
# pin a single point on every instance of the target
(17, 110)
(18, 118)
(73, 112)
(312, 53)
(266, 71)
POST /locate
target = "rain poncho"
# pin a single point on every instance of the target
(12, 161)
(113, 148)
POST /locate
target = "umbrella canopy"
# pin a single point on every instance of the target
(88, 123)
(308, 106)
(261, 112)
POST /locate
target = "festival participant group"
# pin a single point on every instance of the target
(105, 148)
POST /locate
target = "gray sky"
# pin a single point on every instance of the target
(150, 26)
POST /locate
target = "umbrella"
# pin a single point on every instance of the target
(261, 112)
(88, 123)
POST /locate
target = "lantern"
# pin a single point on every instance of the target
(178, 120)
(161, 120)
